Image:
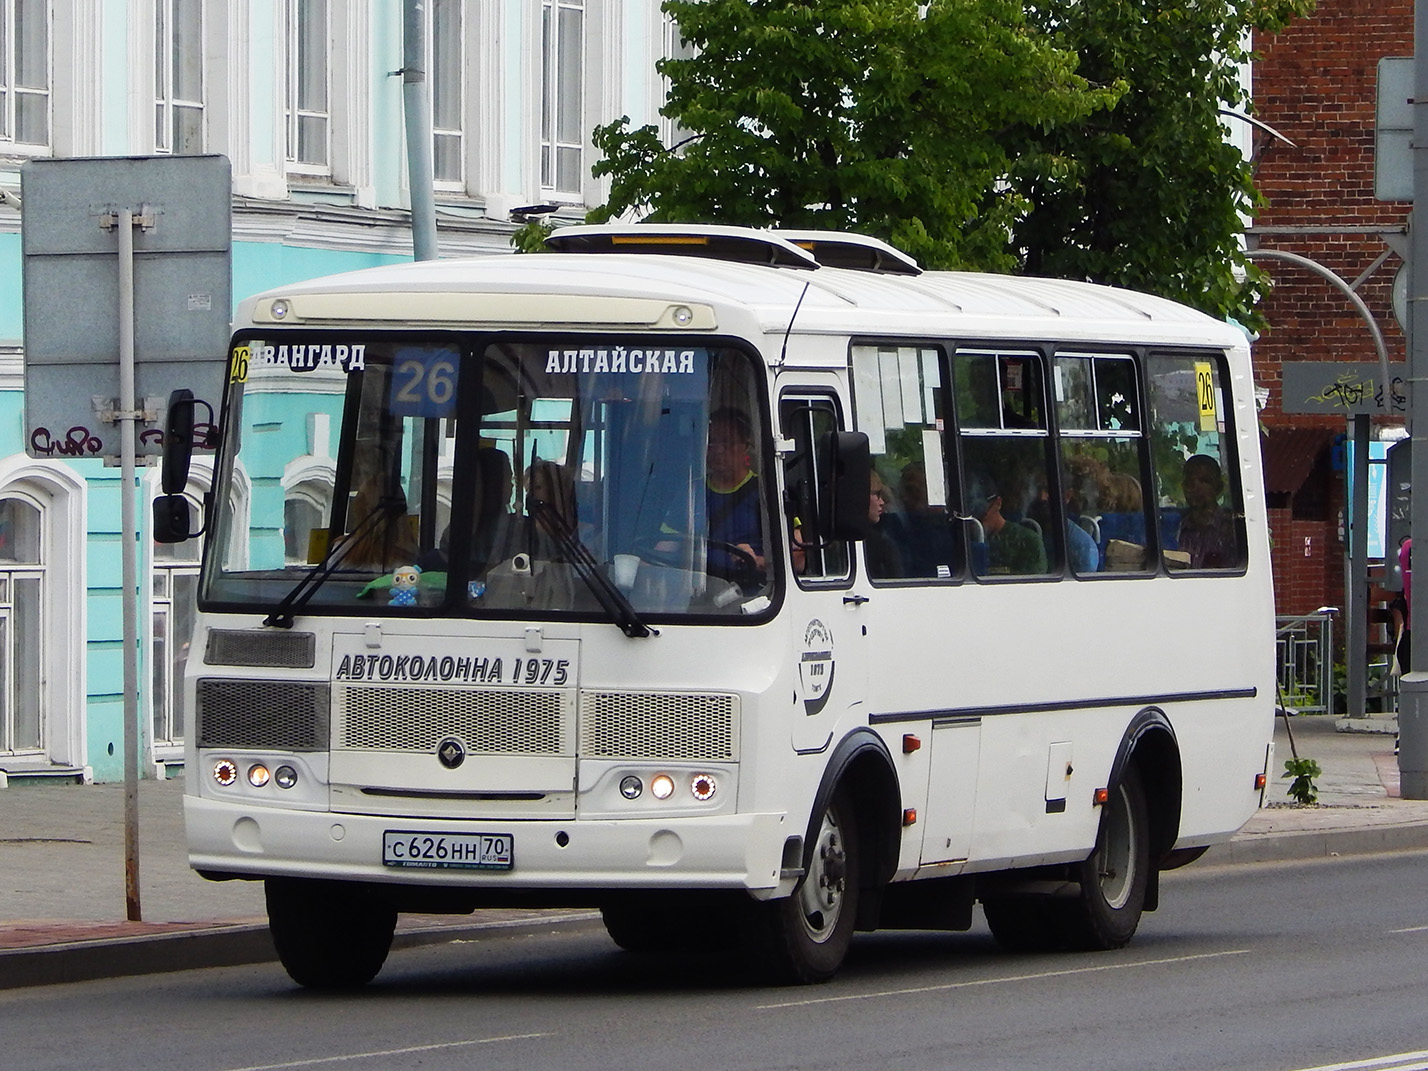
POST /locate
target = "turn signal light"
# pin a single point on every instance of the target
(1101, 797)
(225, 772)
(909, 816)
(1260, 780)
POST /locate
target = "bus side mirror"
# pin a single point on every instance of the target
(847, 481)
(178, 446)
(171, 519)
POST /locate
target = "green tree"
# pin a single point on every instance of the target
(883, 116)
(1075, 138)
(1149, 195)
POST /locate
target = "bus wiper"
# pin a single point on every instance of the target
(282, 615)
(610, 597)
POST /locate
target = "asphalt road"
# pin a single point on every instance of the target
(1277, 967)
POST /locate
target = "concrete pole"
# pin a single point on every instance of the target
(1413, 694)
(416, 104)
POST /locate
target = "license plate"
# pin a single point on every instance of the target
(447, 851)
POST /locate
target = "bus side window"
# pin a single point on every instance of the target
(1007, 492)
(1101, 441)
(1196, 474)
(807, 421)
(899, 398)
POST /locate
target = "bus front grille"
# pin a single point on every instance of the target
(693, 726)
(506, 722)
(262, 648)
(288, 715)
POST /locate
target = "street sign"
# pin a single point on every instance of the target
(1344, 388)
(182, 293)
(1393, 130)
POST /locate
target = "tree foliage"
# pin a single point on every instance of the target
(1078, 138)
(1149, 195)
(878, 115)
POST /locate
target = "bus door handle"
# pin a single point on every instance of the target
(854, 600)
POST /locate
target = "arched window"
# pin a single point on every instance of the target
(22, 627)
(42, 614)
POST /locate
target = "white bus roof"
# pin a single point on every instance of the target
(643, 290)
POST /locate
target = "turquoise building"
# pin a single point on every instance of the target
(305, 99)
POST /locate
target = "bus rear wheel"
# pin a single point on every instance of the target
(803, 938)
(1113, 878)
(329, 934)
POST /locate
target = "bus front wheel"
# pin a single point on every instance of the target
(1113, 879)
(329, 934)
(804, 938)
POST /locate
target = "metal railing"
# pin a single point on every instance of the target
(1304, 648)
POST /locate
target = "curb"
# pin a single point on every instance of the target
(240, 945)
(220, 946)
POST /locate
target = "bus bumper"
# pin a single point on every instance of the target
(734, 851)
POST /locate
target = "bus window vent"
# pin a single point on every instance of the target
(508, 722)
(694, 726)
(290, 715)
(268, 649)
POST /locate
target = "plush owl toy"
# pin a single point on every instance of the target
(404, 585)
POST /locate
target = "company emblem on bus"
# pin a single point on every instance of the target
(815, 666)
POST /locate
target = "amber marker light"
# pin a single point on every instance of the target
(910, 743)
(1260, 780)
(1101, 797)
(909, 816)
(225, 772)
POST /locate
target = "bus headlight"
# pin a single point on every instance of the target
(285, 776)
(662, 786)
(258, 775)
(631, 787)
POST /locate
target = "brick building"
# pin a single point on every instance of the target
(1316, 85)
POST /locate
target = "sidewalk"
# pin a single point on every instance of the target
(62, 882)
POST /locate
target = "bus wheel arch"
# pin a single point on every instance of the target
(862, 767)
(849, 852)
(1150, 745)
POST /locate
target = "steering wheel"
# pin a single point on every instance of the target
(746, 566)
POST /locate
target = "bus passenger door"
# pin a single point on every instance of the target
(829, 635)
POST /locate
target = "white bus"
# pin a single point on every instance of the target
(752, 587)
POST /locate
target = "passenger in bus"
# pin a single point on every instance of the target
(1012, 548)
(928, 545)
(880, 549)
(550, 501)
(1207, 533)
(733, 508)
(495, 532)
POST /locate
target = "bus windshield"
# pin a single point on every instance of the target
(445, 473)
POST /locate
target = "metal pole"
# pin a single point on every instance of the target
(1356, 580)
(416, 101)
(130, 567)
(1413, 688)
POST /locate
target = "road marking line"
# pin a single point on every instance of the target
(999, 981)
(1402, 1061)
(1410, 929)
(387, 1052)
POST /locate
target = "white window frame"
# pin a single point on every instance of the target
(553, 92)
(11, 91)
(458, 72)
(293, 112)
(62, 499)
(166, 101)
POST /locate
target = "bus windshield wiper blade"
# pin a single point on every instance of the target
(610, 597)
(282, 614)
